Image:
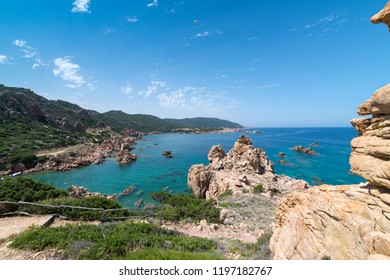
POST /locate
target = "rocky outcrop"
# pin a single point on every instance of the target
(342, 222)
(82, 192)
(243, 168)
(301, 149)
(125, 157)
(371, 149)
(87, 154)
(383, 16)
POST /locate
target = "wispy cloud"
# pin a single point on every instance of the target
(269, 86)
(30, 53)
(196, 99)
(324, 24)
(109, 30)
(153, 4)
(204, 34)
(69, 72)
(3, 59)
(132, 19)
(81, 6)
(153, 88)
(127, 89)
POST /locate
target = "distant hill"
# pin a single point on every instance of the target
(208, 123)
(29, 122)
(118, 120)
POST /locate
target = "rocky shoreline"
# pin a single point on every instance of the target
(83, 155)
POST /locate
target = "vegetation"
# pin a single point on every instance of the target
(205, 123)
(256, 251)
(226, 194)
(258, 189)
(125, 240)
(186, 206)
(21, 189)
(326, 258)
(79, 214)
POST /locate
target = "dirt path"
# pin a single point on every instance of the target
(57, 151)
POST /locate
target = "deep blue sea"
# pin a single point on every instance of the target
(154, 172)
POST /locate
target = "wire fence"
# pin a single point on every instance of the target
(145, 214)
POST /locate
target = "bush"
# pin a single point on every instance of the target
(22, 189)
(183, 206)
(124, 240)
(258, 189)
(79, 214)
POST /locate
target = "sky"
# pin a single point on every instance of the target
(262, 63)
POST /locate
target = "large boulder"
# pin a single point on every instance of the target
(342, 222)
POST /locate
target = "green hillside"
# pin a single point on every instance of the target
(138, 122)
(209, 123)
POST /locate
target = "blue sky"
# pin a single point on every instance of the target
(257, 62)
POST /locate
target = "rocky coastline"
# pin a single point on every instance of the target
(82, 155)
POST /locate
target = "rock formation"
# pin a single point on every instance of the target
(343, 222)
(383, 16)
(351, 221)
(303, 150)
(243, 168)
(371, 150)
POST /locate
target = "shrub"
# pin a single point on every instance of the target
(258, 189)
(22, 189)
(326, 258)
(226, 194)
(80, 214)
(183, 206)
(124, 240)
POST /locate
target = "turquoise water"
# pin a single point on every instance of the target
(154, 172)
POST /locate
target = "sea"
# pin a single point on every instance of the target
(154, 172)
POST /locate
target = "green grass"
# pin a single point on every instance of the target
(258, 189)
(123, 240)
(226, 194)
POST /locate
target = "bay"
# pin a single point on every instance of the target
(154, 172)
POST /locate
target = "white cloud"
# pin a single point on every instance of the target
(29, 53)
(69, 72)
(109, 30)
(20, 43)
(154, 88)
(204, 34)
(81, 6)
(3, 58)
(153, 4)
(132, 19)
(128, 89)
(195, 99)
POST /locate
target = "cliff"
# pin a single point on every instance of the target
(351, 221)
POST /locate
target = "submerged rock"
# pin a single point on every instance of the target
(167, 154)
